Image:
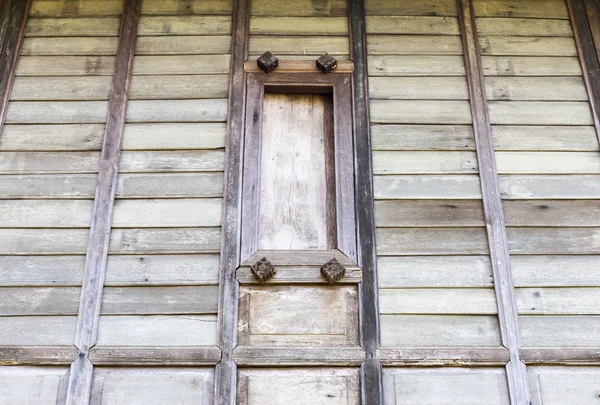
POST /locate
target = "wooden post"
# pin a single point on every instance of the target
(13, 18)
(371, 371)
(80, 380)
(518, 385)
(593, 13)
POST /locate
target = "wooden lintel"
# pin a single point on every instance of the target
(443, 356)
(154, 356)
(300, 66)
(574, 356)
(298, 356)
(37, 355)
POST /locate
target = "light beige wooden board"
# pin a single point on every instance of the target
(431, 241)
(56, 112)
(93, 46)
(37, 330)
(427, 187)
(564, 385)
(422, 137)
(524, 27)
(157, 330)
(556, 271)
(73, 27)
(165, 240)
(528, 46)
(299, 26)
(154, 386)
(540, 113)
(413, 25)
(531, 66)
(302, 8)
(560, 331)
(548, 162)
(197, 300)
(208, 110)
(550, 187)
(45, 213)
(22, 271)
(445, 386)
(172, 185)
(439, 330)
(416, 65)
(299, 45)
(413, 45)
(558, 301)
(43, 241)
(412, 8)
(517, 8)
(536, 88)
(66, 137)
(423, 162)
(183, 45)
(144, 270)
(26, 301)
(61, 88)
(65, 66)
(184, 25)
(48, 162)
(544, 138)
(48, 186)
(479, 301)
(552, 213)
(209, 7)
(51, 8)
(420, 112)
(428, 213)
(181, 64)
(554, 240)
(442, 271)
(167, 213)
(418, 88)
(165, 136)
(31, 385)
(179, 87)
(172, 161)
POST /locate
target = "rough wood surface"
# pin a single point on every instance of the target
(294, 357)
(61, 8)
(560, 331)
(33, 385)
(413, 25)
(303, 8)
(413, 44)
(415, 65)
(524, 27)
(73, 27)
(66, 65)
(298, 26)
(427, 187)
(530, 66)
(155, 356)
(184, 25)
(554, 9)
(443, 8)
(443, 356)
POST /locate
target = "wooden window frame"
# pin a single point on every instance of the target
(341, 214)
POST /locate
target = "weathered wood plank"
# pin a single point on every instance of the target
(542, 241)
(536, 89)
(65, 66)
(37, 330)
(527, 46)
(399, 162)
(207, 110)
(32, 385)
(525, 27)
(548, 162)
(427, 187)
(57, 112)
(441, 357)
(299, 45)
(128, 356)
(544, 138)
(302, 8)
(179, 87)
(530, 66)
(167, 213)
(422, 137)
(161, 185)
(164, 240)
(48, 162)
(556, 271)
(54, 8)
(180, 136)
(418, 88)
(47, 186)
(43, 241)
(426, 213)
(565, 385)
(45, 214)
(481, 301)
(92, 46)
(412, 25)
(560, 331)
(540, 113)
(208, 7)
(23, 271)
(61, 88)
(413, 8)
(299, 356)
(171, 161)
(73, 27)
(299, 26)
(416, 65)
(421, 112)
(558, 301)
(183, 45)
(431, 241)
(27, 301)
(413, 45)
(552, 213)
(515, 8)
(66, 137)
(550, 187)
(184, 25)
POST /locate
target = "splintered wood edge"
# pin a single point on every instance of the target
(300, 66)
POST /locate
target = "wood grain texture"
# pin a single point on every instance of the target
(443, 356)
(61, 137)
(411, 25)
(420, 112)
(177, 7)
(437, 301)
(181, 136)
(530, 66)
(426, 213)
(422, 137)
(556, 271)
(70, 46)
(427, 187)
(131, 356)
(527, 46)
(555, 9)
(73, 27)
(178, 87)
(413, 45)
(183, 45)
(424, 162)
(66, 66)
(61, 88)
(524, 27)
(181, 64)
(308, 26)
(418, 88)
(559, 330)
(540, 113)
(184, 25)
(549, 187)
(535, 89)
(61, 8)
(431, 241)
(415, 65)
(303, 8)
(542, 241)
(442, 8)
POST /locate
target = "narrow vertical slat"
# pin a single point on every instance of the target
(371, 386)
(91, 295)
(13, 14)
(225, 377)
(593, 12)
(492, 203)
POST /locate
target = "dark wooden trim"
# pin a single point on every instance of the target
(371, 372)
(37, 355)
(518, 383)
(443, 356)
(154, 356)
(13, 14)
(593, 14)
(80, 380)
(588, 56)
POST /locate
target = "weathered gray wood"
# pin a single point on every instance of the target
(303, 8)
(524, 27)
(183, 45)
(167, 213)
(180, 136)
(172, 161)
(299, 26)
(556, 271)
(61, 88)
(427, 187)
(27, 301)
(400, 162)
(420, 112)
(426, 213)
(480, 301)
(66, 137)
(65, 65)
(128, 356)
(571, 356)
(208, 7)
(46, 214)
(299, 45)
(444, 8)
(547, 163)
(299, 257)
(558, 301)
(53, 8)
(530, 66)
(32, 385)
(185, 25)
(416, 65)
(178, 87)
(422, 137)
(560, 331)
(181, 64)
(37, 330)
(37, 355)
(70, 46)
(52, 112)
(555, 9)
(443, 356)
(554, 240)
(413, 44)
(418, 88)
(43, 241)
(299, 275)
(540, 113)
(527, 46)
(48, 162)
(47, 186)
(298, 356)
(544, 138)
(164, 240)
(207, 110)
(160, 185)
(431, 241)
(536, 89)
(411, 25)
(550, 187)
(552, 213)
(73, 27)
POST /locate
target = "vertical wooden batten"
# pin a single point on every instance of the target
(518, 385)
(584, 26)
(13, 18)
(371, 370)
(80, 380)
(593, 12)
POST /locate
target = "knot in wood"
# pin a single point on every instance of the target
(267, 62)
(263, 270)
(333, 271)
(326, 63)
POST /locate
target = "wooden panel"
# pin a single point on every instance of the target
(565, 385)
(547, 187)
(159, 300)
(413, 45)
(27, 301)
(166, 213)
(171, 161)
(185, 25)
(558, 301)
(181, 64)
(70, 46)
(176, 110)
(180, 136)
(23, 271)
(543, 138)
(61, 88)
(437, 301)
(65, 65)
(299, 45)
(431, 241)
(418, 88)
(556, 271)
(425, 213)
(443, 271)
(426, 187)
(559, 331)
(66, 137)
(32, 385)
(524, 27)
(528, 46)
(302, 8)
(298, 26)
(530, 66)
(536, 89)
(412, 25)
(183, 45)
(43, 241)
(155, 240)
(516, 8)
(52, 112)
(72, 27)
(552, 213)
(48, 162)
(217, 7)
(540, 113)
(422, 112)
(52, 8)
(37, 330)
(170, 185)
(554, 240)
(548, 162)
(416, 65)
(48, 186)
(415, 7)
(439, 330)
(422, 137)
(157, 330)
(45, 214)
(424, 162)
(179, 87)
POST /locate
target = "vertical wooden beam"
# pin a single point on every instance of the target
(226, 370)
(593, 13)
(492, 203)
(588, 56)
(371, 371)
(13, 14)
(80, 381)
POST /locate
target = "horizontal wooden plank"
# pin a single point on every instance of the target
(56, 112)
(420, 112)
(475, 301)
(528, 46)
(559, 331)
(422, 137)
(531, 66)
(48, 162)
(209, 7)
(299, 26)
(443, 271)
(93, 46)
(416, 65)
(410, 8)
(65, 66)
(148, 356)
(302, 8)
(170, 185)
(540, 113)
(541, 241)
(413, 25)
(61, 88)
(299, 45)
(184, 25)
(524, 27)
(431, 241)
(197, 300)
(550, 187)
(544, 138)
(23, 271)
(183, 45)
(37, 330)
(48, 186)
(165, 136)
(43, 241)
(179, 87)
(428, 213)
(440, 357)
(548, 162)
(46, 213)
(427, 187)
(167, 213)
(207, 110)
(536, 88)
(556, 271)
(299, 356)
(25, 385)
(171, 161)
(400, 162)
(52, 8)
(516, 8)
(165, 240)
(344, 66)
(181, 64)
(299, 275)
(418, 88)
(73, 27)
(66, 137)
(157, 330)
(27, 301)
(552, 213)
(413, 45)
(558, 301)
(439, 330)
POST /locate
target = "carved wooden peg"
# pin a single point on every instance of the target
(333, 271)
(263, 270)
(326, 63)
(267, 62)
